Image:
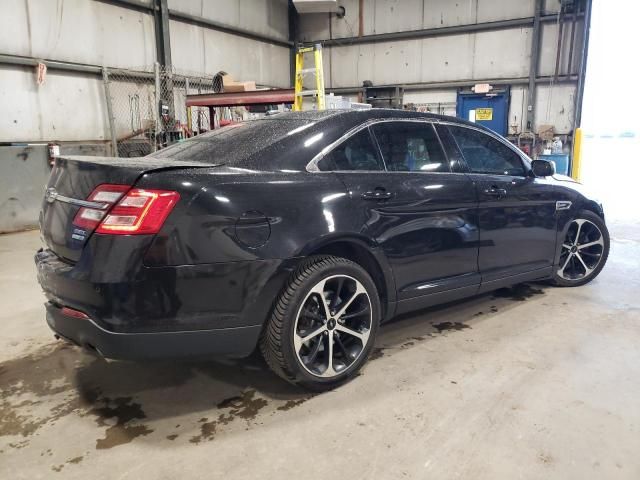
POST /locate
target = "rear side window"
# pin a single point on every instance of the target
(410, 147)
(456, 161)
(485, 154)
(355, 153)
(234, 144)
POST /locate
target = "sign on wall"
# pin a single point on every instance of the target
(484, 114)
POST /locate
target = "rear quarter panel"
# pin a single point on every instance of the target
(227, 215)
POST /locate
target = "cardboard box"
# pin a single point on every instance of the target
(545, 132)
(230, 85)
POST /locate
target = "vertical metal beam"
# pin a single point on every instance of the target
(112, 120)
(559, 43)
(156, 72)
(163, 38)
(294, 20)
(533, 66)
(186, 92)
(577, 120)
(164, 94)
(572, 40)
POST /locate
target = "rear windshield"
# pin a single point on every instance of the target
(232, 144)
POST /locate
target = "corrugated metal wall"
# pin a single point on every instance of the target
(106, 34)
(502, 54)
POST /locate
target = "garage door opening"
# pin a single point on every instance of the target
(611, 111)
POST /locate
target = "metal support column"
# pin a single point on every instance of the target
(533, 66)
(186, 93)
(112, 120)
(583, 65)
(293, 37)
(163, 39)
(156, 72)
(164, 94)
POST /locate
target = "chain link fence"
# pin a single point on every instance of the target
(147, 108)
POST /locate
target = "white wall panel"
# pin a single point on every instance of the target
(348, 26)
(384, 16)
(79, 31)
(499, 54)
(267, 17)
(445, 13)
(315, 26)
(397, 60)
(396, 15)
(67, 107)
(518, 110)
(446, 58)
(502, 54)
(357, 63)
(430, 96)
(555, 106)
(493, 10)
(551, 6)
(341, 66)
(198, 50)
(549, 43)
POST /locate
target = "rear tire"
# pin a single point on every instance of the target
(583, 251)
(323, 325)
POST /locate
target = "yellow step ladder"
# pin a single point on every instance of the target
(317, 70)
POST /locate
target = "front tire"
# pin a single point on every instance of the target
(323, 325)
(583, 252)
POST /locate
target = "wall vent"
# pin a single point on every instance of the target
(316, 6)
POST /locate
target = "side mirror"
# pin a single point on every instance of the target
(543, 168)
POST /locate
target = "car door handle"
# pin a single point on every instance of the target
(496, 192)
(377, 195)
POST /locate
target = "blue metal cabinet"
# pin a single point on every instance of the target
(490, 110)
(560, 159)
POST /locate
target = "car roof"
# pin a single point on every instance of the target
(359, 113)
(353, 117)
(286, 140)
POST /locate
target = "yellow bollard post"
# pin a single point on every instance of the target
(298, 87)
(577, 151)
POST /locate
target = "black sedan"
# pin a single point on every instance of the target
(300, 233)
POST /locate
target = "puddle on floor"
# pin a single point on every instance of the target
(520, 292)
(58, 380)
(445, 326)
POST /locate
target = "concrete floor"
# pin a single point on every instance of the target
(531, 382)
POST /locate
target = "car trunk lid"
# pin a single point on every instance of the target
(71, 183)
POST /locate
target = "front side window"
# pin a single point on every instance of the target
(355, 153)
(485, 154)
(410, 147)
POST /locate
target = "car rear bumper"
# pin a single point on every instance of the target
(84, 332)
(174, 311)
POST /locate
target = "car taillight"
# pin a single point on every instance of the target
(107, 195)
(126, 211)
(139, 212)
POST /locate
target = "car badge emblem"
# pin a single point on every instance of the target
(51, 195)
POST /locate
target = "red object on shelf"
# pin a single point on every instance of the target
(256, 97)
